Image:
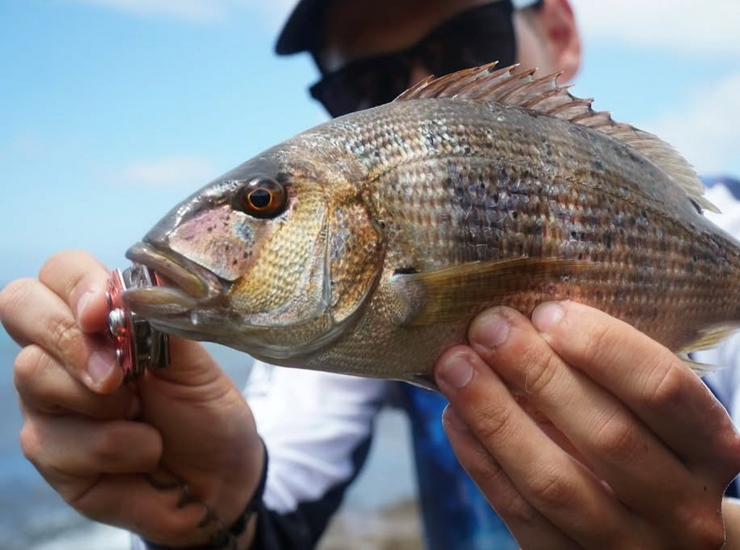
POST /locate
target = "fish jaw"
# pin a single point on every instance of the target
(188, 285)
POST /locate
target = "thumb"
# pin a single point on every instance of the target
(190, 364)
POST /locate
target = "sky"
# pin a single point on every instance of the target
(111, 111)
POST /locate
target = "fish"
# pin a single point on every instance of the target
(366, 245)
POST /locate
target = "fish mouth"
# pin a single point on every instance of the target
(184, 284)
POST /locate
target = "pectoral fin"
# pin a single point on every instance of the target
(710, 338)
(700, 369)
(456, 292)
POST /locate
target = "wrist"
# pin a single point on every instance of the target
(222, 525)
(236, 490)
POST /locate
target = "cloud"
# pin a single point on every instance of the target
(706, 128)
(198, 11)
(689, 27)
(178, 171)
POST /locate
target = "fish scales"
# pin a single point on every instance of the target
(455, 203)
(576, 209)
(445, 185)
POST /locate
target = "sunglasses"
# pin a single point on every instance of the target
(474, 37)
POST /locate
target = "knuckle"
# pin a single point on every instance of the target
(56, 266)
(539, 378)
(64, 334)
(52, 265)
(87, 507)
(601, 342)
(668, 389)
(493, 423)
(179, 530)
(706, 528)
(28, 363)
(32, 386)
(106, 447)
(484, 469)
(30, 442)
(552, 490)
(13, 296)
(618, 439)
(57, 262)
(725, 452)
(81, 500)
(517, 511)
(731, 445)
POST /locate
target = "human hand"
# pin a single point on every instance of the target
(99, 442)
(584, 432)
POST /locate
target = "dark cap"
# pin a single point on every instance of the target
(303, 29)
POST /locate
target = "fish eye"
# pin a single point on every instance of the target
(261, 198)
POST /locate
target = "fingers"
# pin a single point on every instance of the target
(643, 473)
(81, 282)
(530, 528)
(647, 377)
(70, 447)
(44, 386)
(12, 309)
(34, 314)
(131, 502)
(557, 486)
(97, 468)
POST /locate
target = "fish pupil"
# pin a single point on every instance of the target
(260, 198)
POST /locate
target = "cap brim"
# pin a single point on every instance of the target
(302, 30)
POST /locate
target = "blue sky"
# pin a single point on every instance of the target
(111, 111)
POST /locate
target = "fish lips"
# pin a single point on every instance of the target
(188, 285)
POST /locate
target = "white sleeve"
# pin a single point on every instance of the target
(312, 423)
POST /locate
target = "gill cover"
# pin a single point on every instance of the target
(311, 278)
(293, 281)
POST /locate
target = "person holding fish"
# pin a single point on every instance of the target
(457, 238)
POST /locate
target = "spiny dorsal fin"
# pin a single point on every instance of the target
(520, 88)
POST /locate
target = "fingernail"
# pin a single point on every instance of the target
(456, 371)
(83, 302)
(100, 366)
(454, 421)
(546, 316)
(492, 330)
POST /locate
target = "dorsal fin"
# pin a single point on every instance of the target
(517, 87)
